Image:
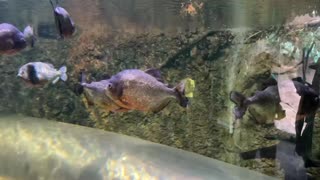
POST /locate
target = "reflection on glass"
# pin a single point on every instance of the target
(236, 81)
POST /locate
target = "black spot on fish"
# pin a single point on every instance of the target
(32, 74)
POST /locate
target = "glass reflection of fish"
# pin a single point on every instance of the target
(38, 74)
(64, 24)
(266, 103)
(12, 40)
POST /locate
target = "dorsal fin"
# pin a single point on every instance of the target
(155, 73)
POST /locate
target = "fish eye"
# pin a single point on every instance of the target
(109, 86)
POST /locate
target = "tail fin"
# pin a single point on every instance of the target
(241, 105)
(82, 77)
(63, 71)
(78, 88)
(29, 35)
(184, 90)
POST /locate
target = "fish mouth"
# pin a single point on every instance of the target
(19, 76)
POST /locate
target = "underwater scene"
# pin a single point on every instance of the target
(233, 80)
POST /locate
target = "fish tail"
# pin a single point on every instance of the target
(29, 35)
(184, 90)
(78, 88)
(63, 71)
(241, 104)
(82, 77)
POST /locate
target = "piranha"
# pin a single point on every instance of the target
(133, 89)
(38, 74)
(265, 105)
(12, 40)
(64, 24)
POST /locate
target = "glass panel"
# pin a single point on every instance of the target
(236, 81)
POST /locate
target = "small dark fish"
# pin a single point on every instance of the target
(134, 89)
(40, 73)
(64, 23)
(12, 40)
(266, 103)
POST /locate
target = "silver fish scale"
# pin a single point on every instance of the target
(45, 71)
(141, 88)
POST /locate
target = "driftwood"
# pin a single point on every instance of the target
(172, 59)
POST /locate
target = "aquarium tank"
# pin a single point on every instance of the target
(160, 89)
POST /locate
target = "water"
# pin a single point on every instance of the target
(223, 46)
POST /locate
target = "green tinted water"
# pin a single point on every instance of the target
(116, 35)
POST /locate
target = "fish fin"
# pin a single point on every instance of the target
(58, 25)
(241, 105)
(82, 76)
(269, 82)
(156, 73)
(121, 110)
(63, 71)
(161, 107)
(29, 35)
(55, 80)
(237, 98)
(78, 87)
(105, 76)
(32, 74)
(180, 94)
